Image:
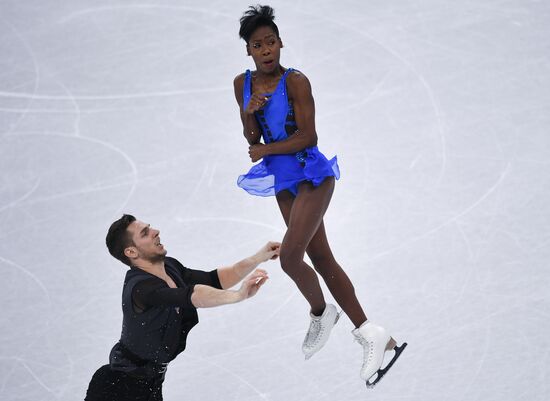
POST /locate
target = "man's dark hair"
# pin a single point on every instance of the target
(254, 18)
(118, 238)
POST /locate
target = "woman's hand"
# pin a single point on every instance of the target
(257, 152)
(256, 103)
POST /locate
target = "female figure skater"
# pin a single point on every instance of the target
(276, 104)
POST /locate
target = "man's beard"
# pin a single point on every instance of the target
(157, 258)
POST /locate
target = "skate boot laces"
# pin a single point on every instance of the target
(315, 332)
(319, 331)
(368, 348)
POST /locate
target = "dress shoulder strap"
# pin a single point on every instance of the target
(285, 75)
(247, 87)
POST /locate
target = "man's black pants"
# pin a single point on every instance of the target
(113, 385)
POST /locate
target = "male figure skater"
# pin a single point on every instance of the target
(160, 298)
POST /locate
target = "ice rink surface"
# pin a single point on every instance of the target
(438, 112)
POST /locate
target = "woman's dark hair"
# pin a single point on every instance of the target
(118, 238)
(254, 18)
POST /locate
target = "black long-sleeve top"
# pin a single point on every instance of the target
(157, 318)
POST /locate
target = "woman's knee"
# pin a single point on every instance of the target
(291, 257)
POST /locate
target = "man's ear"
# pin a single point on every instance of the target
(281, 42)
(131, 252)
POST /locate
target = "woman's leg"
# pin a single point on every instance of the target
(334, 276)
(303, 215)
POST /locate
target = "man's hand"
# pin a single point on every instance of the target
(252, 284)
(231, 275)
(269, 251)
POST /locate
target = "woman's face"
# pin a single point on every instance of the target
(265, 48)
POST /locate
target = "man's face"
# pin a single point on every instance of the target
(147, 244)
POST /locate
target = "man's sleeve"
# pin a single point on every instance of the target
(191, 276)
(201, 277)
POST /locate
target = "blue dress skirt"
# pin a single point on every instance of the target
(280, 172)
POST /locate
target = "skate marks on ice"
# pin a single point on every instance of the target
(83, 82)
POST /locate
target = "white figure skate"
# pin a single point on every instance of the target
(375, 341)
(319, 330)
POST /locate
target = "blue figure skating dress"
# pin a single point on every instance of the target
(279, 172)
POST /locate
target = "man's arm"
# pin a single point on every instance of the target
(156, 292)
(231, 275)
(204, 296)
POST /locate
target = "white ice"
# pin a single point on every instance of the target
(438, 112)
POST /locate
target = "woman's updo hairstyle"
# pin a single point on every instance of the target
(254, 18)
